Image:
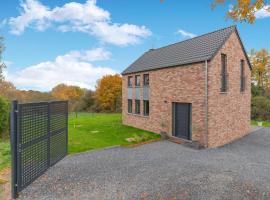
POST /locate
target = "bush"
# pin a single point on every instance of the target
(260, 108)
(4, 117)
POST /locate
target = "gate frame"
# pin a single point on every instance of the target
(15, 151)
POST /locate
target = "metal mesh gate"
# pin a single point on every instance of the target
(38, 140)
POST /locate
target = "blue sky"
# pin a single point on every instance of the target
(78, 41)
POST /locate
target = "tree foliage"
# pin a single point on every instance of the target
(243, 10)
(109, 93)
(260, 61)
(260, 108)
(4, 117)
(66, 92)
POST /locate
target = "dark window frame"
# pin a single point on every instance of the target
(137, 80)
(146, 83)
(224, 74)
(242, 76)
(137, 106)
(130, 108)
(146, 109)
(130, 79)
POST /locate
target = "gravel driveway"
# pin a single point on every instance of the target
(161, 170)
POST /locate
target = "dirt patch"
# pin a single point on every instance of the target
(5, 184)
(142, 143)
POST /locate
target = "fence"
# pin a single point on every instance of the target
(39, 136)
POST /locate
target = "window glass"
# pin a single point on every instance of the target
(129, 106)
(137, 80)
(224, 75)
(146, 108)
(146, 79)
(130, 81)
(242, 76)
(137, 106)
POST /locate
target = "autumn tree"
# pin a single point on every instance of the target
(243, 10)
(260, 61)
(65, 92)
(109, 92)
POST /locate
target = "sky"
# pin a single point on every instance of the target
(76, 42)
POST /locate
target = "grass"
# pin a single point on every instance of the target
(4, 154)
(95, 131)
(265, 123)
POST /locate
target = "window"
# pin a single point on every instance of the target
(146, 108)
(137, 80)
(242, 76)
(130, 81)
(137, 107)
(146, 79)
(224, 75)
(129, 105)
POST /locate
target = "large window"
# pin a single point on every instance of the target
(146, 108)
(137, 80)
(129, 105)
(146, 79)
(137, 107)
(224, 75)
(130, 81)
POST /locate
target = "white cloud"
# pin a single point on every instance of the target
(263, 13)
(72, 68)
(185, 34)
(87, 18)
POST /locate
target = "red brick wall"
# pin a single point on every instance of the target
(229, 113)
(178, 84)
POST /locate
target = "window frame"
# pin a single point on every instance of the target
(224, 74)
(130, 101)
(137, 106)
(144, 108)
(130, 79)
(144, 82)
(242, 76)
(137, 77)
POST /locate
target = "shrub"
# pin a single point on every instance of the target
(4, 116)
(260, 108)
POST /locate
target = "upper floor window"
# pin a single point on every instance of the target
(146, 79)
(242, 76)
(224, 75)
(130, 81)
(137, 80)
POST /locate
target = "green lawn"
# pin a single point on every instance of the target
(94, 131)
(265, 123)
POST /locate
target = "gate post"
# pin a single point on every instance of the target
(14, 150)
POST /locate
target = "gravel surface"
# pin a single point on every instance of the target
(161, 170)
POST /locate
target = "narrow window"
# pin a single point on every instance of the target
(137, 80)
(137, 106)
(146, 79)
(224, 75)
(129, 105)
(242, 76)
(130, 81)
(146, 108)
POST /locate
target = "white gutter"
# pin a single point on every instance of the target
(206, 105)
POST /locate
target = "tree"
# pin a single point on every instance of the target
(73, 94)
(260, 62)
(109, 93)
(244, 10)
(4, 117)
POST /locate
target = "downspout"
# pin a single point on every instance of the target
(206, 105)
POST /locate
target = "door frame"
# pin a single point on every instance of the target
(190, 120)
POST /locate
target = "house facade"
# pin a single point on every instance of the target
(197, 90)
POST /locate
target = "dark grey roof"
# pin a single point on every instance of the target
(193, 50)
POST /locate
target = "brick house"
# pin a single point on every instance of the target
(196, 90)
